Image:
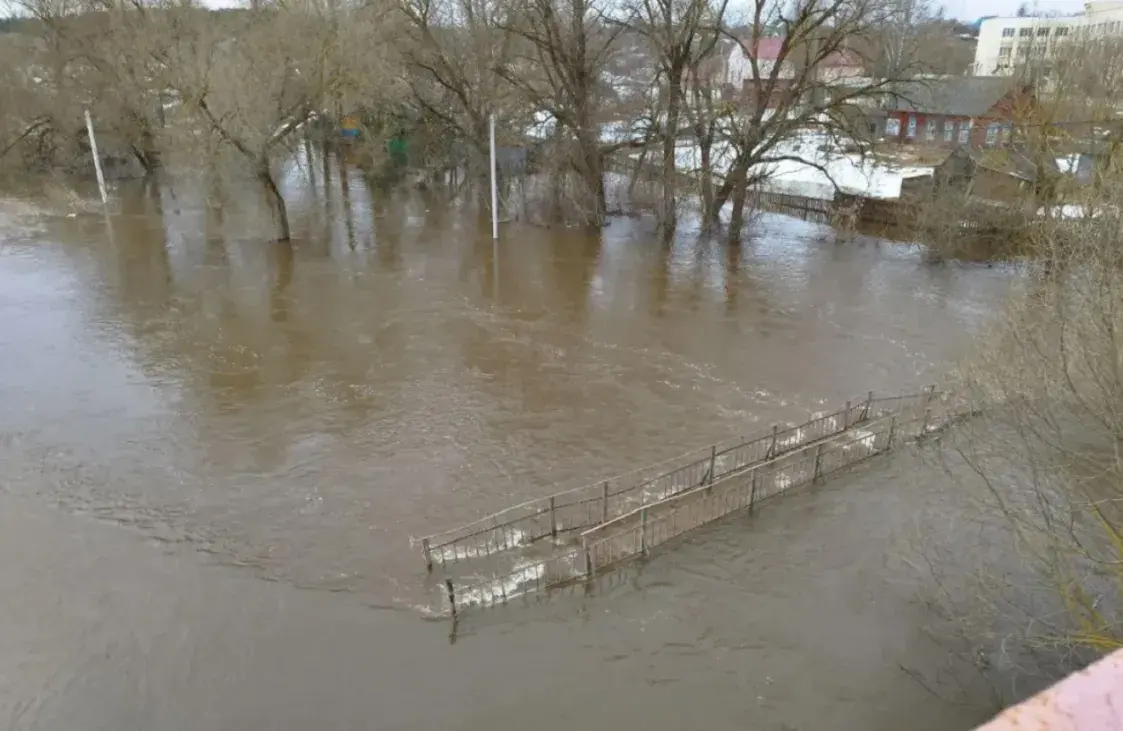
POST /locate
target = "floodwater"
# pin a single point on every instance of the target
(216, 450)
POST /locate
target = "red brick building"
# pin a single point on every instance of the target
(953, 111)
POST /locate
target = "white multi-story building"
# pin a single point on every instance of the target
(1006, 43)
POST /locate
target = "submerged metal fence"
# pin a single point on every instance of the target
(569, 512)
(875, 426)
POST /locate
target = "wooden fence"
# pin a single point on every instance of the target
(871, 427)
(821, 210)
(571, 511)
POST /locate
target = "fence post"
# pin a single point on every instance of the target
(772, 449)
(643, 530)
(713, 458)
(451, 596)
(928, 391)
(553, 520)
(818, 463)
(892, 430)
(588, 558)
(869, 407)
(604, 503)
(926, 397)
(846, 417)
(752, 493)
(428, 555)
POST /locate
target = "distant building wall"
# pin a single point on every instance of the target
(1006, 43)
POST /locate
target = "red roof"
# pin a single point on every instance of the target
(769, 48)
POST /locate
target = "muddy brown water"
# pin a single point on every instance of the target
(216, 451)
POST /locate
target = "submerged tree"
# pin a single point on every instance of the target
(560, 53)
(255, 88)
(455, 48)
(681, 35)
(794, 106)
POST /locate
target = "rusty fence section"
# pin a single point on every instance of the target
(566, 514)
(635, 532)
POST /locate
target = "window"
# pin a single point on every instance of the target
(912, 126)
(1006, 132)
(965, 132)
(892, 127)
(1023, 51)
(930, 130)
(992, 133)
(1043, 31)
(1025, 32)
(1004, 52)
(1062, 30)
(1007, 32)
(949, 130)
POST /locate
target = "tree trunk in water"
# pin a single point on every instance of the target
(667, 212)
(721, 195)
(276, 202)
(594, 182)
(308, 159)
(147, 154)
(707, 181)
(737, 219)
(738, 186)
(636, 172)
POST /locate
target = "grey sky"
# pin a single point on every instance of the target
(971, 9)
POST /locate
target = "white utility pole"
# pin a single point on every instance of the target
(97, 160)
(494, 187)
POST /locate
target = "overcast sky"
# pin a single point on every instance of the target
(971, 9)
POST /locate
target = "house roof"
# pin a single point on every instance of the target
(960, 96)
(767, 49)
(999, 160)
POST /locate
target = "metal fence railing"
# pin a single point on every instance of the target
(572, 511)
(875, 427)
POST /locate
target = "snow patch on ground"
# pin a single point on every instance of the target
(812, 162)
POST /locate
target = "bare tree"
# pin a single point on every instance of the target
(561, 51)
(791, 96)
(456, 46)
(104, 56)
(681, 34)
(1045, 382)
(705, 110)
(25, 114)
(915, 37)
(254, 88)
